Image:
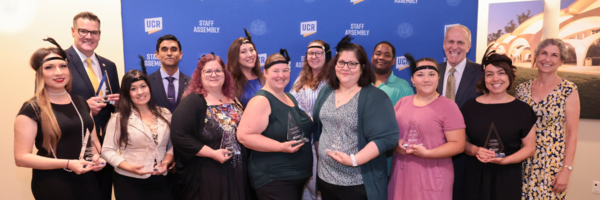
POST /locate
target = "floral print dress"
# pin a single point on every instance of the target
(547, 161)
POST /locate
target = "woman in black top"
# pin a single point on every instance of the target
(211, 164)
(279, 165)
(500, 122)
(56, 123)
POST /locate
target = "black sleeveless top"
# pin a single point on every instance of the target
(69, 144)
(265, 167)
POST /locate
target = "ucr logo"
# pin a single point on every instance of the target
(401, 63)
(356, 1)
(153, 25)
(262, 58)
(308, 28)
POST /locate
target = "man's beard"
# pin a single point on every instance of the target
(383, 71)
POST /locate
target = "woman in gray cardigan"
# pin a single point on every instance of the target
(356, 125)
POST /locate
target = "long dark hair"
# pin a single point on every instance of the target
(233, 64)
(306, 75)
(126, 105)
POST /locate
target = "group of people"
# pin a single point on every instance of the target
(348, 129)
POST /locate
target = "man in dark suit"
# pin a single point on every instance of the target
(168, 83)
(458, 78)
(87, 69)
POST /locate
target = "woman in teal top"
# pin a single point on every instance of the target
(355, 126)
(278, 168)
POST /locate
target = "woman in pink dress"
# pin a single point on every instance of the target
(422, 166)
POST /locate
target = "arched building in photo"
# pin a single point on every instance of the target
(579, 28)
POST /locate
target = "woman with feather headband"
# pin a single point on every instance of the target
(140, 130)
(280, 163)
(355, 127)
(56, 122)
(495, 169)
(422, 161)
(243, 63)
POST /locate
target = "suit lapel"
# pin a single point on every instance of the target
(157, 84)
(183, 81)
(76, 62)
(465, 81)
(442, 72)
(102, 65)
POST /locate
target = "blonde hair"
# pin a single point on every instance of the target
(40, 101)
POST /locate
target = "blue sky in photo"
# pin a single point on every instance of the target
(502, 13)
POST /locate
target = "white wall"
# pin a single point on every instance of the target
(23, 25)
(587, 162)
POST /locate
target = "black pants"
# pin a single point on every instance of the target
(336, 192)
(282, 190)
(154, 187)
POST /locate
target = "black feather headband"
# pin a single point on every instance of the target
(413, 64)
(491, 57)
(248, 36)
(143, 63)
(343, 43)
(285, 54)
(61, 52)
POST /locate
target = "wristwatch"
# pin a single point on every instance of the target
(570, 168)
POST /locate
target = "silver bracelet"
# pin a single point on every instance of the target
(353, 160)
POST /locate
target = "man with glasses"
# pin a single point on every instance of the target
(88, 69)
(383, 60)
(168, 51)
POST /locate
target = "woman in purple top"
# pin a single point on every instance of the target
(423, 168)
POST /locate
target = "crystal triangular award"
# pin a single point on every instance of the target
(413, 135)
(493, 142)
(228, 140)
(87, 148)
(294, 131)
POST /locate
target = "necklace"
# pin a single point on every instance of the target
(220, 99)
(53, 94)
(347, 91)
(153, 126)
(82, 134)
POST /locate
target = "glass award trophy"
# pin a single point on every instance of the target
(493, 142)
(413, 135)
(103, 93)
(87, 148)
(294, 132)
(228, 141)
(153, 166)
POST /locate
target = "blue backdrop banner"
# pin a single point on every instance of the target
(205, 26)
